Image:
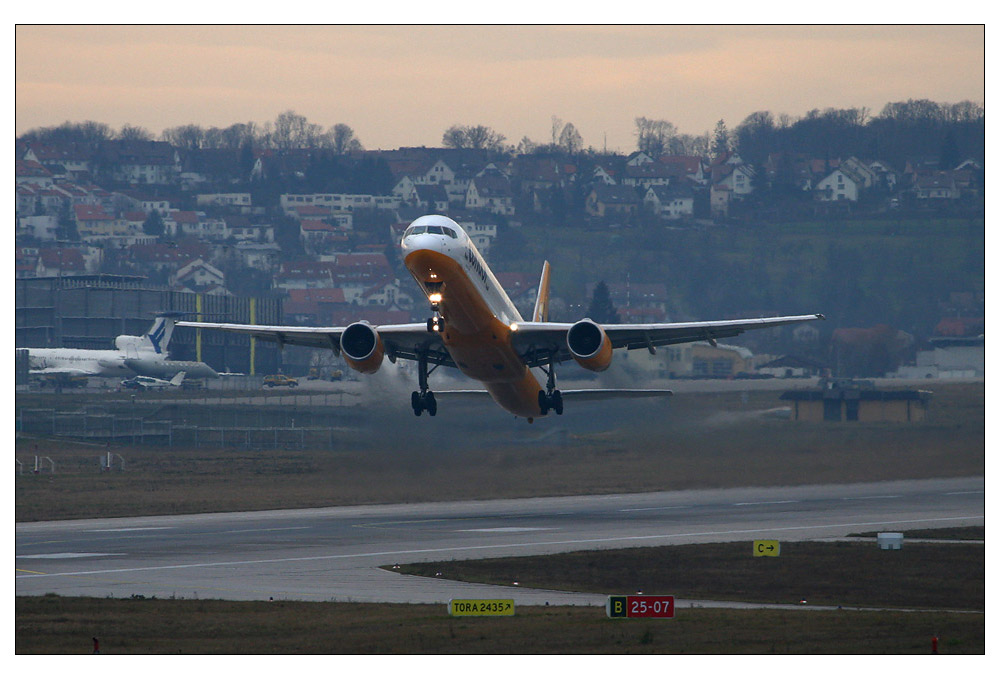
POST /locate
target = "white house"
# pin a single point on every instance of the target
(670, 202)
(198, 276)
(491, 193)
(840, 185)
(238, 200)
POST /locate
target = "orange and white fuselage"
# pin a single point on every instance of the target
(479, 317)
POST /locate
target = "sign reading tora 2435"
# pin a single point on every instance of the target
(640, 606)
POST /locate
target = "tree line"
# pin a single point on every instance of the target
(289, 130)
(902, 130)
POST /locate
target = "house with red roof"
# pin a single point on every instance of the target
(691, 167)
(319, 237)
(94, 224)
(61, 262)
(311, 306)
(75, 159)
(179, 223)
(32, 172)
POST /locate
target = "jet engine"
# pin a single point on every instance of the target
(589, 345)
(362, 347)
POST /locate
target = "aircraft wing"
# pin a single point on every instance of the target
(539, 343)
(401, 341)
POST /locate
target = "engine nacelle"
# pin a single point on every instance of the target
(362, 347)
(589, 345)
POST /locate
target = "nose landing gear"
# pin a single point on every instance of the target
(435, 324)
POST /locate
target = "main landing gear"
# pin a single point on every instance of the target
(550, 399)
(424, 399)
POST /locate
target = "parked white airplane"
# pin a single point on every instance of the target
(133, 354)
(145, 382)
(476, 328)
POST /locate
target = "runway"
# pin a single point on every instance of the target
(333, 554)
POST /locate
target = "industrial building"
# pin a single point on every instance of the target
(857, 400)
(89, 312)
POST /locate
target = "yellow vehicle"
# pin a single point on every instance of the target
(279, 380)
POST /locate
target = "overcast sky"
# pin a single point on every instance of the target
(405, 85)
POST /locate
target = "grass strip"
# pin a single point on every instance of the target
(839, 573)
(59, 625)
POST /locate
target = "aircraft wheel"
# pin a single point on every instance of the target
(431, 403)
(557, 402)
(417, 403)
(543, 402)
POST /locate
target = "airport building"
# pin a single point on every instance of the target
(89, 312)
(857, 400)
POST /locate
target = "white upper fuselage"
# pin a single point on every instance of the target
(102, 362)
(456, 245)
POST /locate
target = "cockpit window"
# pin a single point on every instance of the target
(432, 229)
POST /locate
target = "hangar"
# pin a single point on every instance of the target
(857, 400)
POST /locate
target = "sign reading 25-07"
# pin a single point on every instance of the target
(640, 606)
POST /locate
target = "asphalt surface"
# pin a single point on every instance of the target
(334, 554)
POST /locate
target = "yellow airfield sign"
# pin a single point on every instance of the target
(766, 548)
(481, 608)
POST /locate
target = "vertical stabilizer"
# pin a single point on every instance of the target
(159, 334)
(542, 300)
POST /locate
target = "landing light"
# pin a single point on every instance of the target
(434, 297)
(513, 326)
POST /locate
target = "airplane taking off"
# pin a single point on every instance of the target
(475, 328)
(142, 354)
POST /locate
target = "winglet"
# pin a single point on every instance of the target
(542, 300)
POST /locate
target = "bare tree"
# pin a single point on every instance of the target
(189, 136)
(134, 133)
(293, 131)
(557, 125)
(343, 139)
(570, 139)
(653, 136)
(720, 139)
(526, 146)
(455, 137)
(473, 137)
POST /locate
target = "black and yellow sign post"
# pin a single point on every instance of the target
(766, 548)
(481, 608)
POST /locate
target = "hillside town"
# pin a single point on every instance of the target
(318, 229)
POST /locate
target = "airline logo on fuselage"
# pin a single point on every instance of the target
(476, 266)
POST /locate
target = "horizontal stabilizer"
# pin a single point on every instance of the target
(568, 395)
